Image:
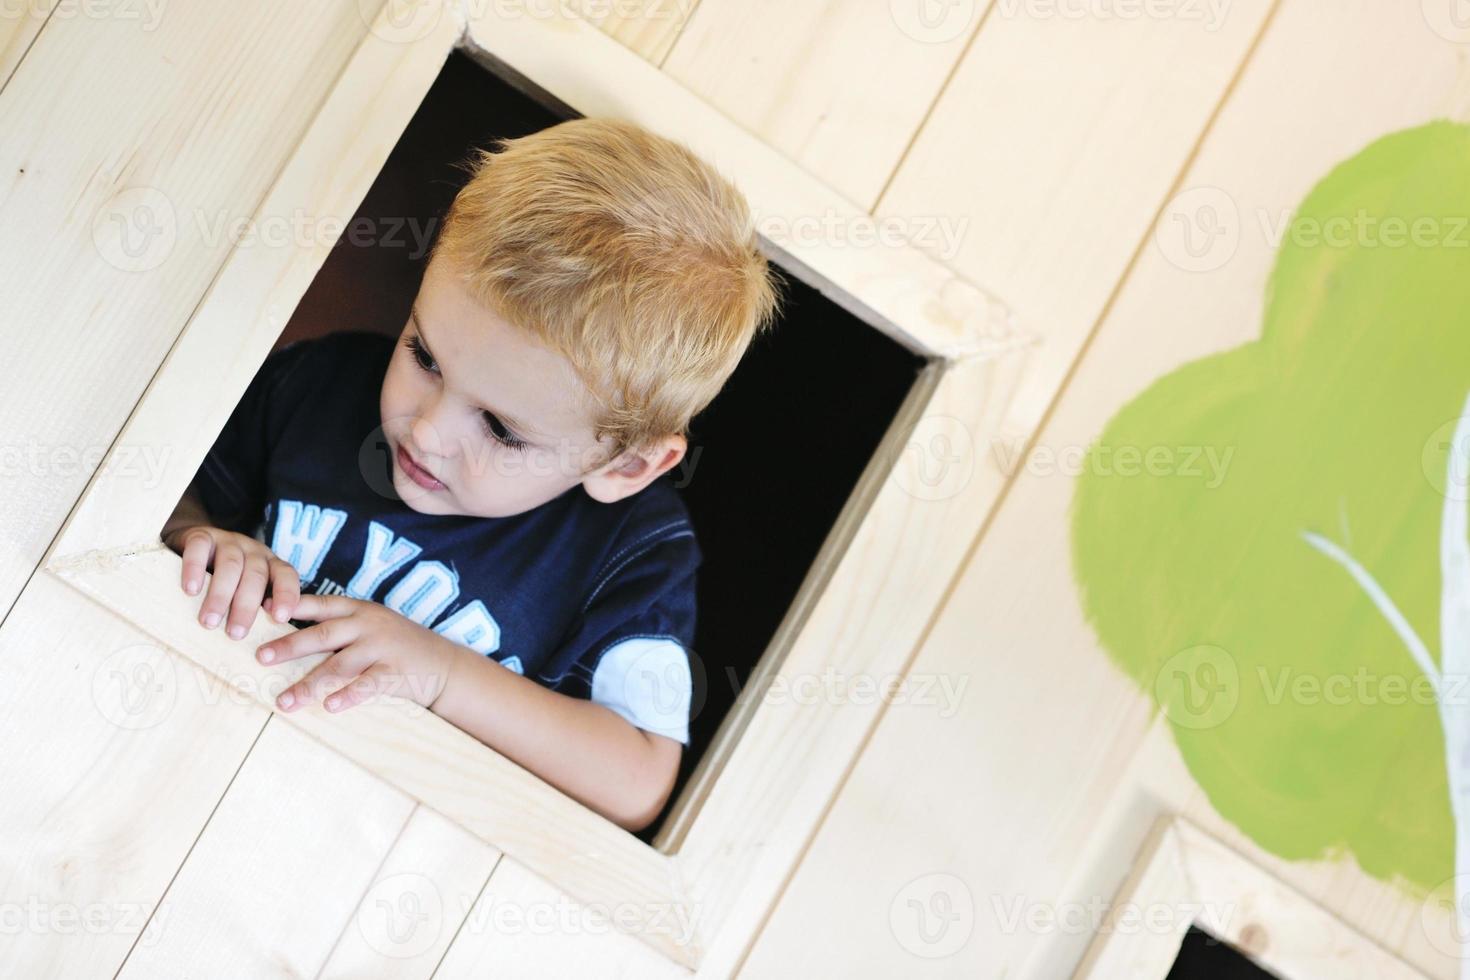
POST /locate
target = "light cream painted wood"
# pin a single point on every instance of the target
(408, 747)
(1421, 931)
(841, 88)
(280, 865)
(860, 631)
(110, 553)
(1022, 792)
(115, 751)
(18, 29)
(1059, 138)
(1186, 877)
(523, 926)
(418, 903)
(646, 27)
(1130, 946)
(243, 312)
(884, 278)
(166, 133)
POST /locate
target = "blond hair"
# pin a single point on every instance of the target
(625, 253)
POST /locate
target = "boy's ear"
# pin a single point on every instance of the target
(634, 469)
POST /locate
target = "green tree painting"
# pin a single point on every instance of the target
(1304, 621)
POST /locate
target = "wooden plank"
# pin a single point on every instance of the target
(407, 747)
(1009, 792)
(839, 88)
(1059, 137)
(116, 750)
(807, 225)
(245, 309)
(647, 27)
(216, 96)
(1184, 877)
(417, 903)
(523, 926)
(860, 629)
(17, 33)
(1159, 880)
(1291, 936)
(265, 889)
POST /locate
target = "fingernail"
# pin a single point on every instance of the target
(237, 631)
(287, 699)
(192, 587)
(266, 656)
(333, 702)
(211, 621)
(280, 613)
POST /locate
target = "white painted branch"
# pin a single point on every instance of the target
(1385, 605)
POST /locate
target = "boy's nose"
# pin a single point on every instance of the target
(429, 437)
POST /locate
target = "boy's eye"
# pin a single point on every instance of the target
(493, 426)
(499, 432)
(420, 355)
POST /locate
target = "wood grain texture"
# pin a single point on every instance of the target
(1025, 793)
(418, 903)
(124, 150)
(116, 751)
(264, 891)
(840, 88)
(647, 27)
(805, 223)
(523, 926)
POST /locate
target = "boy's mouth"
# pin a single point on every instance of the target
(415, 472)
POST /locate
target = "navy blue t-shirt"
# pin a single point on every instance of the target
(590, 599)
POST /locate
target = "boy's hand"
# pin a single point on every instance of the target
(242, 567)
(375, 650)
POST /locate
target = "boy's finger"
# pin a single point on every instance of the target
(285, 590)
(196, 552)
(329, 636)
(229, 562)
(320, 607)
(248, 595)
(367, 686)
(329, 675)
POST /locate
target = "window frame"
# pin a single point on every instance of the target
(740, 825)
(1199, 881)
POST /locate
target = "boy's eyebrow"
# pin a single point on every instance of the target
(519, 430)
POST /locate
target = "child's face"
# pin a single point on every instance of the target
(497, 420)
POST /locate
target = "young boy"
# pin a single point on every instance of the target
(479, 515)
